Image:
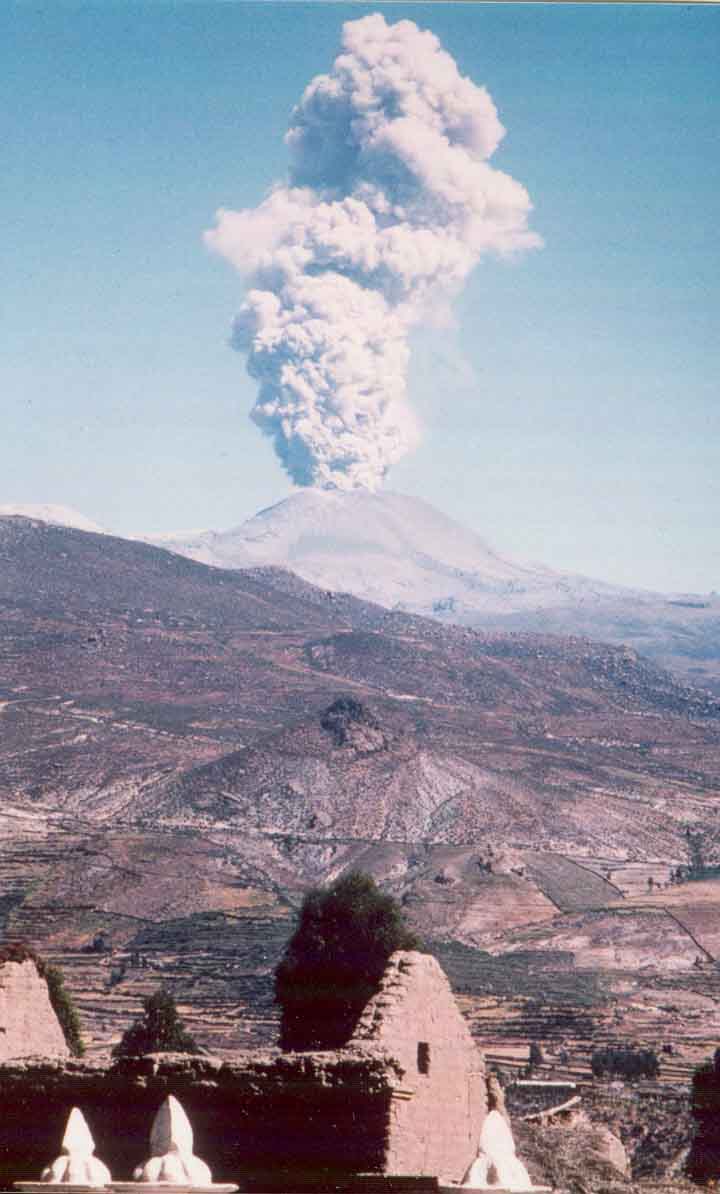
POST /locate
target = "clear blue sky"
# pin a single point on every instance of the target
(571, 415)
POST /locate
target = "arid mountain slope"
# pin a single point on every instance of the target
(403, 553)
(185, 749)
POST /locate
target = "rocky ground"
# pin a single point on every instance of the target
(612, 1130)
(184, 750)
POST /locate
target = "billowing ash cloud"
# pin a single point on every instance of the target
(389, 204)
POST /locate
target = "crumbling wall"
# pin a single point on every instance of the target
(28, 1024)
(407, 1096)
(440, 1101)
(261, 1119)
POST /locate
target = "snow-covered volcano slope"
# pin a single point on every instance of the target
(385, 547)
(401, 552)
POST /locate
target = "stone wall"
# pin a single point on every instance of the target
(28, 1024)
(439, 1106)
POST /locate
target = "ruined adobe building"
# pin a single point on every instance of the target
(440, 1100)
(406, 1096)
(28, 1024)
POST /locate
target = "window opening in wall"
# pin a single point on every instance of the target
(423, 1057)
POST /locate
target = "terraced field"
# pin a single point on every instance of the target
(186, 749)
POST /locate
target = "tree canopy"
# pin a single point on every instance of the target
(335, 960)
(158, 1030)
(624, 1061)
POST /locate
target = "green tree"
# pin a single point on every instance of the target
(64, 1008)
(624, 1061)
(335, 960)
(158, 1030)
(60, 998)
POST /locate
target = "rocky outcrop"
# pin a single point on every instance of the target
(580, 1156)
(28, 1024)
(607, 1147)
(651, 1121)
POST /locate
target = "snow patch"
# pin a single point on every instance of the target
(60, 516)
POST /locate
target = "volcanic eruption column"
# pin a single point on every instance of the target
(389, 204)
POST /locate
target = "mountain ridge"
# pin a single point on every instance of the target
(55, 515)
(403, 553)
(186, 749)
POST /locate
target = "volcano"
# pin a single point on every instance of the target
(402, 553)
(399, 551)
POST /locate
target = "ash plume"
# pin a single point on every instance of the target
(389, 204)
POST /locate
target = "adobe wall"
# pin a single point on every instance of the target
(439, 1106)
(28, 1024)
(407, 1096)
(261, 1119)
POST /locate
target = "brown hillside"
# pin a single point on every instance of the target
(185, 749)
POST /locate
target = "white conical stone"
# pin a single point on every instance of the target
(171, 1131)
(76, 1164)
(477, 1175)
(77, 1141)
(497, 1144)
(171, 1145)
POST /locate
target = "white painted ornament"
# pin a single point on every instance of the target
(497, 1165)
(172, 1166)
(171, 1146)
(77, 1167)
